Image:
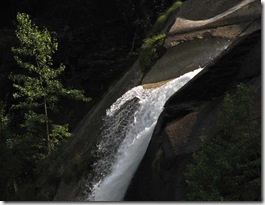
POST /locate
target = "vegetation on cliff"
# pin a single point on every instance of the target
(34, 119)
(31, 134)
(228, 166)
(38, 86)
(162, 19)
(152, 47)
(151, 50)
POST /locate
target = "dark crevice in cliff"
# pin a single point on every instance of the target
(215, 80)
(190, 112)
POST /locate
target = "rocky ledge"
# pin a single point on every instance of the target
(194, 109)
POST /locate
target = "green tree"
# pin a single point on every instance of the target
(4, 121)
(38, 86)
(228, 166)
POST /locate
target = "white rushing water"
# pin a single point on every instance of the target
(129, 125)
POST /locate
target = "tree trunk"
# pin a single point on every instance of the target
(15, 185)
(133, 43)
(47, 127)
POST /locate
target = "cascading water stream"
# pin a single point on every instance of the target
(128, 127)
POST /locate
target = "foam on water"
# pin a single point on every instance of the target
(127, 131)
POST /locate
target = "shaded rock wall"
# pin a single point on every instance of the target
(226, 40)
(188, 114)
(73, 164)
(224, 49)
(192, 42)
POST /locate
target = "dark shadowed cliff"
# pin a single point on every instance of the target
(188, 114)
(227, 43)
(101, 44)
(193, 111)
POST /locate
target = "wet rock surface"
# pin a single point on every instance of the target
(188, 114)
(197, 37)
(230, 54)
(87, 133)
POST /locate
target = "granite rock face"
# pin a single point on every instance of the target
(193, 110)
(73, 164)
(221, 35)
(188, 114)
(200, 34)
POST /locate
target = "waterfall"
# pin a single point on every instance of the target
(127, 130)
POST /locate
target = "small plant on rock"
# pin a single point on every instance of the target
(150, 51)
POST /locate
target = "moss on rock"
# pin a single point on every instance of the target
(161, 20)
(151, 49)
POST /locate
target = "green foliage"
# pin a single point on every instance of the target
(228, 167)
(58, 134)
(38, 89)
(160, 22)
(4, 120)
(150, 51)
(200, 174)
(38, 86)
(34, 55)
(236, 111)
